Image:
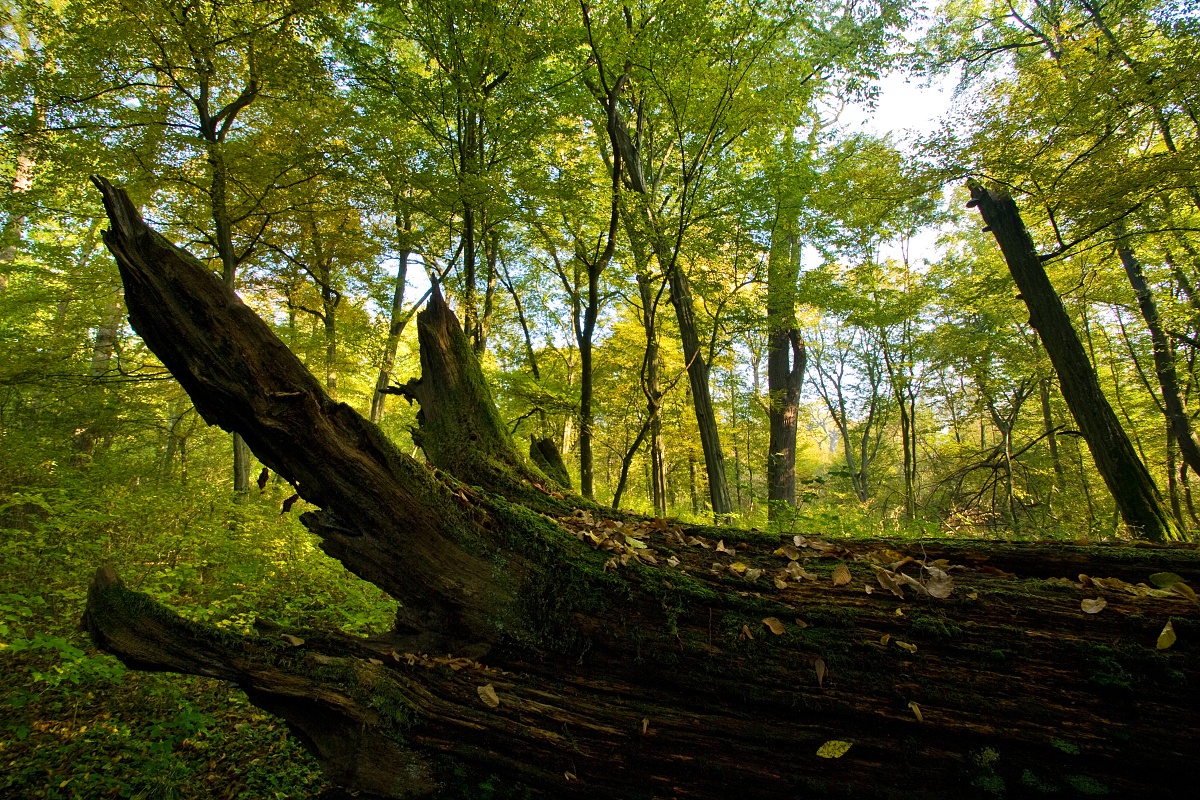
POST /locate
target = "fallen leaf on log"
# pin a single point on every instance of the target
(1093, 605)
(939, 584)
(775, 625)
(1165, 580)
(916, 709)
(1167, 637)
(833, 749)
(1182, 588)
(841, 575)
(487, 693)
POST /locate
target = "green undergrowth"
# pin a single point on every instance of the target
(74, 723)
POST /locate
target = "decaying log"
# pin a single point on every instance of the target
(607, 656)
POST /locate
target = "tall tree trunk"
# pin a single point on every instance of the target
(396, 322)
(106, 335)
(219, 203)
(651, 364)
(786, 360)
(1051, 432)
(592, 671)
(1164, 358)
(22, 182)
(697, 369)
(1132, 488)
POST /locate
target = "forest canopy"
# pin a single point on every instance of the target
(696, 292)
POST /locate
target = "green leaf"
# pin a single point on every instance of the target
(834, 748)
(1165, 580)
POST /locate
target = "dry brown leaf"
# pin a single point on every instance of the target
(746, 634)
(294, 641)
(899, 612)
(939, 584)
(788, 551)
(1093, 605)
(910, 648)
(375, 661)
(888, 581)
(916, 709)
(753, 574)
(673, 562)
(738, 568)
(801, 623)
(1085, 580)
(819, 666)
(775, 626)
(570, 776)
(645, 725)
(487, 693)
(916, 585)
(780, 583)
(1167, 637)
(885, 639)
(973, 596)
(841, 575)
(1181, 588)
(797, 572)
(868, 589)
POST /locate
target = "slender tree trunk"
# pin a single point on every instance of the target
(1172, 478)
(1164, 358)
(697, 369)
(585, 417)
(218, 199)
(786, 360)
(1051, 432)
(397, 320)
(106, 335)
(22, 182)
(651, 387)
(329, 323)
(1126, 476)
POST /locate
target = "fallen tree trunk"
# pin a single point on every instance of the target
(590, 654)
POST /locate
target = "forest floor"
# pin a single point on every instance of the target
(74, 723)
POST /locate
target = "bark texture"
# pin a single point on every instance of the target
(786, 360)
(586, 666)
(1136, 496)
(1164, 358)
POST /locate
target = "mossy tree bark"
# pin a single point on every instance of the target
(620, 671)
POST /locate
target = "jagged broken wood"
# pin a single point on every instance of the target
(583, 663)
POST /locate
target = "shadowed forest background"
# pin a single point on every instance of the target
(661, 241)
